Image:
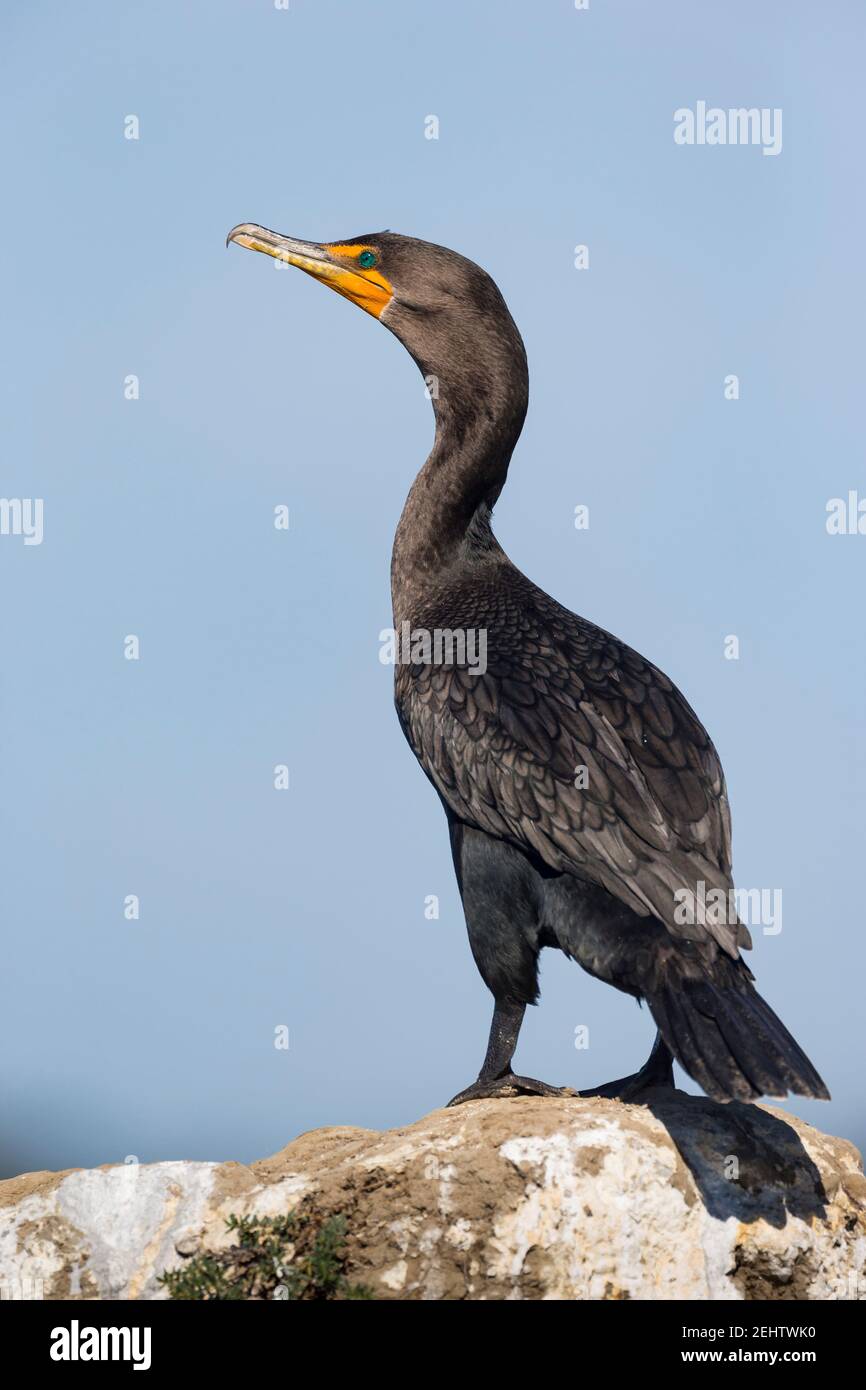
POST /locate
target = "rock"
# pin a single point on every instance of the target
(511, 1199)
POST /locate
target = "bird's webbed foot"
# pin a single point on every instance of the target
(507, 1085)
(657, 1071)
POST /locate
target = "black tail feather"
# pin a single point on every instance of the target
(729, 1040)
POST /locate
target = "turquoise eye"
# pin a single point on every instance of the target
(367, 259)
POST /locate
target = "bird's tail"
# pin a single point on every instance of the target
(727, 1037)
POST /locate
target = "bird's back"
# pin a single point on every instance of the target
(570, 744)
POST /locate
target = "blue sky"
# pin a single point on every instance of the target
(305, 908)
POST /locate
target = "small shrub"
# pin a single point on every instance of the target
(297, 1257)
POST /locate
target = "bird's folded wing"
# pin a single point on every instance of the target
(574, 746)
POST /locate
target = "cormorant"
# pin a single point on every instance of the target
(586, 803)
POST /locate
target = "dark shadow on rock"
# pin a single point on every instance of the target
(744, 1162)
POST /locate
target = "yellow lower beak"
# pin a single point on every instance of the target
(332, 264)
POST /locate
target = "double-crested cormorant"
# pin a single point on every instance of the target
(586, 803)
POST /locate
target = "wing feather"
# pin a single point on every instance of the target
(505, 749)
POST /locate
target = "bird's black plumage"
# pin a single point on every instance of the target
(504, 747)
(584, 798)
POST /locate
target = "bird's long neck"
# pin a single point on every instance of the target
(479, 401)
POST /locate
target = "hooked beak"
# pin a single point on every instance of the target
(335, 264)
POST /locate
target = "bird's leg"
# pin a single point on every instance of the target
(657, 1071)
(496, 1079)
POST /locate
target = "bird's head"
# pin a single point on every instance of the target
(445, 309)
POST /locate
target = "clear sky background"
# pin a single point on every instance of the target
(305, 908)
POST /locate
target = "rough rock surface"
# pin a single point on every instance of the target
(508, 1199)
